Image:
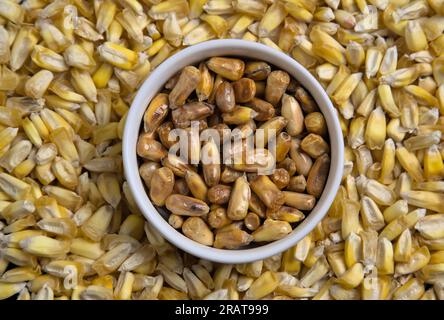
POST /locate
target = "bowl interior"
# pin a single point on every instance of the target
(191, 56)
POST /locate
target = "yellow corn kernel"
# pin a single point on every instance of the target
(13, 187)
(39, 125)
(86, 248)
(17, 210)
(350, 218)
(22, 47)
(202, 33)
(298, 12)
(84, 83)
(422, 96)
(118, 55)
(352, 277)
(289, 263)
(9, 289)
(43, 246)
(272, 18)
(397, 226)
(32, 132)
(403, 247)
(217, 23)
(410, 163)
(384, 258)
(102, 75)
(96, 226)
(346, 88)
(315, 273)
(373, 61)
(415, 37)
(389, 61)
(418, 259)
(433, 164)
(262, 286)
(196, 8)
(64, 197)
(19, 225)
(352, 249)
(375, 131)
(161, 10)
(48, 59)
(124, 286)
(387, 101)
(65, 146)
(13, 12)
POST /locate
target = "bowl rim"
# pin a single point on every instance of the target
(191, 56)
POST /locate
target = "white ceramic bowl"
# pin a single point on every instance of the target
(154, 84)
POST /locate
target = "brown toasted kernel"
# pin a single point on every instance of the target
(262, 160)
(271, 230)
(181, 187)
(317, 177)
(229, 68)
(156, 112)
(267, 191)
(239, 199)
(299, 201)
(163, 131)
(271, 127)
(265, 110)
(314, 145)
(229, 175)
(297, 184)
(283, 144)
(260, 88)
(211, 165)
(225, 99)
(257, 206)
(289, 165)
(188, 81)
(146, 171)
(196, 229)
(149, 148)
(252, 221)
(315, 123)
(193, 111)
(303, 160)
(239, 115)
(177, 165)
(219, 194)
(232, 239)
(257, 70)
(205, 86)
(281, 178)
(217, 218)
(286, 213)
(277, 83)
(196, 185)
(171, 83)
(291, 111)
(306, 101)
(244, 90)
(217, 81)
(161, 186)
(186, 206)
(175, 221)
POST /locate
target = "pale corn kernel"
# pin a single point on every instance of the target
(415, 37)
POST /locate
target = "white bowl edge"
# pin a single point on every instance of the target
(191, 56)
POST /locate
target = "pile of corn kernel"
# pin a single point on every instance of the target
(69, 228)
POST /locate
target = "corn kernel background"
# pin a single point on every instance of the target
(68, 72)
